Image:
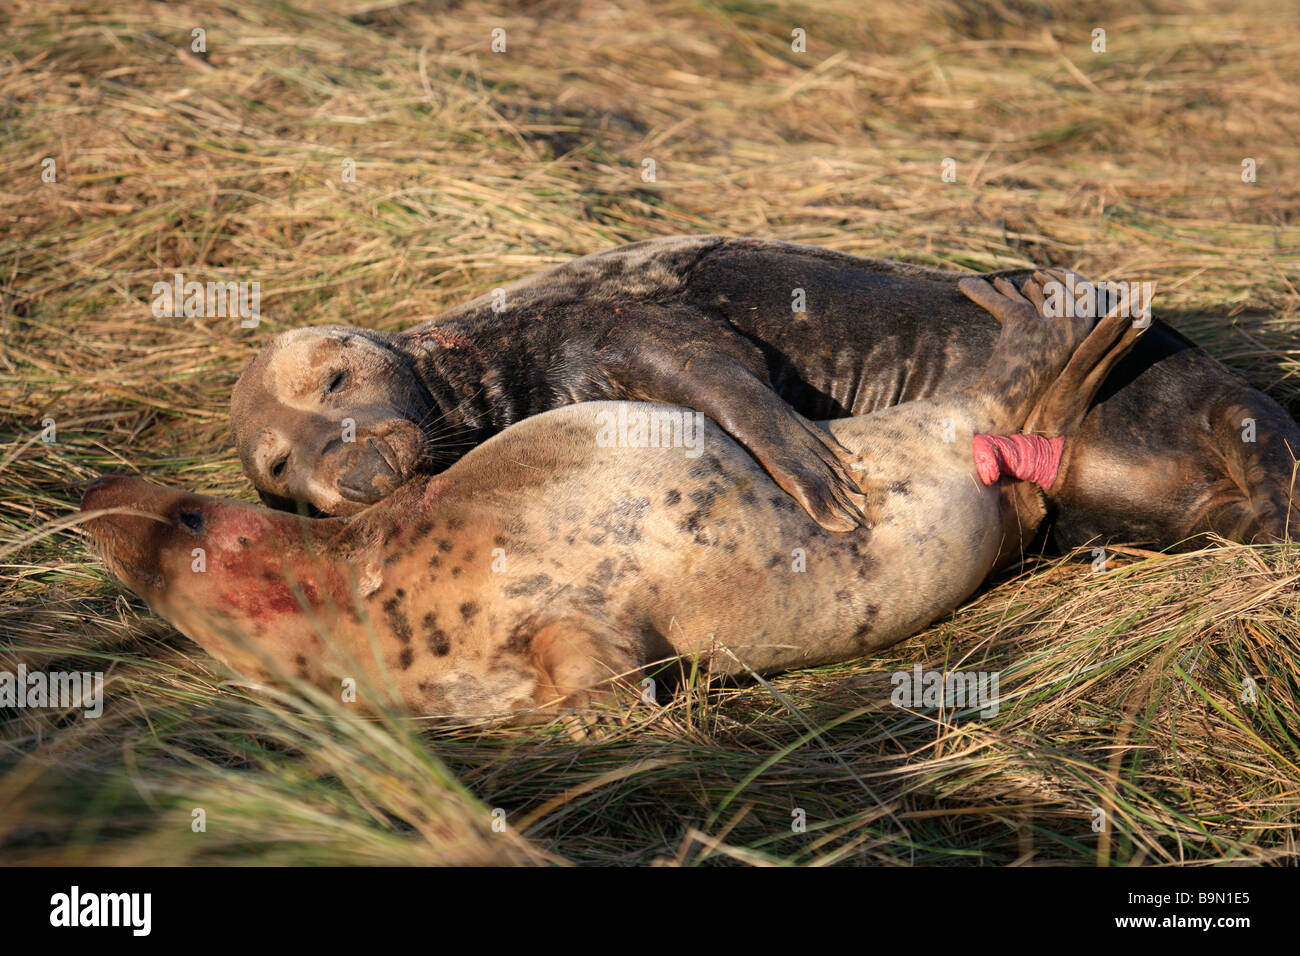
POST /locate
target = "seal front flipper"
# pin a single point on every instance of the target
(807, 462)
(587, 673)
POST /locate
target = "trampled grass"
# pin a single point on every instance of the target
(1121, 690)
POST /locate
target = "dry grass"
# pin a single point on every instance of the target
(1122, 688)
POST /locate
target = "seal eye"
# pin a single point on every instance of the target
(192, 519)
(336, 382)
(278, 468)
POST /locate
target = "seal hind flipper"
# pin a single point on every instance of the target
(1062, 408)
(1030, 353)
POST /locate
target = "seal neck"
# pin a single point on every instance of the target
(456, 384)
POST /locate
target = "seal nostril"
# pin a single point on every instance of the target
(191, 518)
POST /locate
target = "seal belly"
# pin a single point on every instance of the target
(758, 585)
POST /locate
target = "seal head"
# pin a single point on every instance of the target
(331, 416)
(223, 571)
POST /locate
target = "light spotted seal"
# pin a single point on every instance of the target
(1176, 445)
(560, 558)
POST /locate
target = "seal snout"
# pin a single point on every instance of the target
(373, 466)
(98, 489)
(367, 471)
(128, 535)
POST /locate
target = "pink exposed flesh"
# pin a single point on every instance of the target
(1027, 457)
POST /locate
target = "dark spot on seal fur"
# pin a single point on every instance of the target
(468, 610)
(706, 496)
(863, 633)
(603, 575)
(435, 638)
(590, 595)
(405, 658)
(672, 497)
(396, 617)
(704, 500)
(620, 521)
(528, 586)
(710, 464)
(445, 546)
(521, 638)
(899, 487)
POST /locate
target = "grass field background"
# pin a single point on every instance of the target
(1122, 689)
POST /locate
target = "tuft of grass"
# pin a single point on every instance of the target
(1122, 690)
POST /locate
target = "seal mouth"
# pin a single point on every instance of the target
(363, 496)
(138, 576)
(111, 540)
